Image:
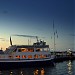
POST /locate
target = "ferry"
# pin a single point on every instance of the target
(37, 54)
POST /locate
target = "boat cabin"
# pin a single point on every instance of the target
(36, 51)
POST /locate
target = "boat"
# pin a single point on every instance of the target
(37, 54)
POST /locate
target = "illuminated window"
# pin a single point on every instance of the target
(29, 56)
(30, 50)
(35, 56)
(17, 56)
(41, 56)
(23, 56)
(38, 50)
(22, 50)
(45, 56)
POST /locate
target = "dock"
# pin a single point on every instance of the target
(63, 55)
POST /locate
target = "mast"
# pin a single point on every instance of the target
(54, 35)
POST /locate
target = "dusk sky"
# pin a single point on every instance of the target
(35, 17)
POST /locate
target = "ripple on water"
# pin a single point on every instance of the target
(61, 68)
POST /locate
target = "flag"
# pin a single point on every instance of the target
(10, 41)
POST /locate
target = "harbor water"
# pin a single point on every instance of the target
(60, 68)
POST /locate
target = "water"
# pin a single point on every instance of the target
(61, 68)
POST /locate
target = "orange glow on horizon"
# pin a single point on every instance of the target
(4, 45)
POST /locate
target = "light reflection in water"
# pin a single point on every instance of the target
(11, 73)
(0, 72)
(39, 72)
(42, 71)
(21, 73)
(61, 68)
(36, 72)
(69, 67)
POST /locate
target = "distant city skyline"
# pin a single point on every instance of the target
(35, 18)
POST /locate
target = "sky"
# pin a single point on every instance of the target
(36, 18)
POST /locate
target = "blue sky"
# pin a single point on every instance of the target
(35, 17)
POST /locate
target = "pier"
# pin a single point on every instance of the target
(63, 55)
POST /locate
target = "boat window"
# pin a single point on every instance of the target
(46, 49)
(41, 56)
(45, 56)
(25, 50)
(35, 56)
(30, 50)
(29, 56)
(22, 50)
(17, 56)
(38, 50)
(23, 56)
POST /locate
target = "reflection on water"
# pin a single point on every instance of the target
(11, 73)
(61, 68)
(0, 72)
(69, 67)
(36, 72)
(39, 72)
